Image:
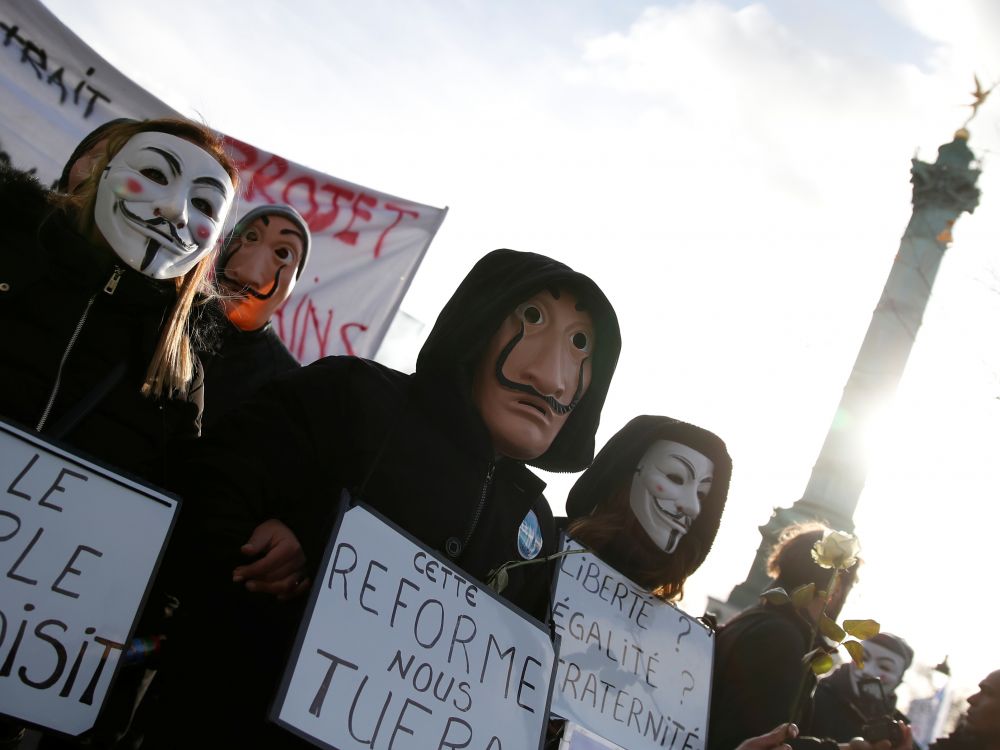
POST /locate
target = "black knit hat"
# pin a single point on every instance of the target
(895, 644)
(89, 141)
(617, 462)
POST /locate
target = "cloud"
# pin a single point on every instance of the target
(967, 32)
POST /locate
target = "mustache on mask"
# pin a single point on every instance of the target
(234, 246)
(262, 296)
(555, 406)
(156, 221)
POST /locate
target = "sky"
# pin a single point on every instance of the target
(734, 175)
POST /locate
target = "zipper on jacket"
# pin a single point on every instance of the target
(109, 289)
(112, 284)
(454, 547)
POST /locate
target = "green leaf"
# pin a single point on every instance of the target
(822, 664)
(857, 652)
(499, 581)
(808, 658)
(775, 596)
(861, 629)
(831, 630)
(803, 595)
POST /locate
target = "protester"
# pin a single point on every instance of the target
(979, 728)
(514, 372)
(842, 705)
(758, 669)
(651, 502)
(98, 288)
(97, 291)
(649, 506)
(256, 271)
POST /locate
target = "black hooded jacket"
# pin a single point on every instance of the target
(49, 276)
(412, 446)
(614, 467)
(757, 677)
(242, 362)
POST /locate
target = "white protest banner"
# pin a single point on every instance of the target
(366, 244)
(78, 548)
(632, 668)
(400, 649)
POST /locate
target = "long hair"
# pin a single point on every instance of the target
(171, 368)
(615, 535)
(790, 563)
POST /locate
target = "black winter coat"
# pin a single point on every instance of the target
(242, 362)
(756, 675)
(412, 446)
(55, 302)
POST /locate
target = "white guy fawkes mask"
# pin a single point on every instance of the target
(161, 203)
(883, 663)
(669, 485)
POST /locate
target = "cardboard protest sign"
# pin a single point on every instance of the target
(632, 668)
(79, 546)
(398, 642)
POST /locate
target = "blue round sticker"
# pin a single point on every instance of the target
(529, 537)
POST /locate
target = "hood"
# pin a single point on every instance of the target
(499, 282)
(617, 462)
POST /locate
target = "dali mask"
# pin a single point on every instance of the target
(161, 203)
(259, 268)
(669, 486)
(534, 372)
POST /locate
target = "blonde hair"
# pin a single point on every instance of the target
(171, 368)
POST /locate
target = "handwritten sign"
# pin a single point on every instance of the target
(400, 649)
(632, 668)
(78, 548)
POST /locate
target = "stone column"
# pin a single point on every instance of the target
(941, 192)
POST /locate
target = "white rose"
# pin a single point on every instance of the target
(837, 549)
